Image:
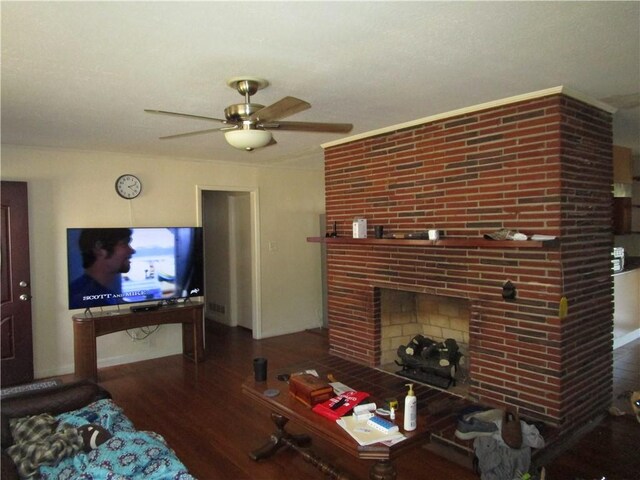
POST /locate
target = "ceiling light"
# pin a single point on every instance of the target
(248, 139)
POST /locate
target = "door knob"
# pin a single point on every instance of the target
(23, 284)
(24, 297)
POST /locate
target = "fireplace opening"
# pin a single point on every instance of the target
(407, 316)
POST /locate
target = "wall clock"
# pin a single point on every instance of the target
(128, 186)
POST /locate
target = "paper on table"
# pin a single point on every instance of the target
(366, 435)
(340, 388)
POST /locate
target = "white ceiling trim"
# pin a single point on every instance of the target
(476, 108)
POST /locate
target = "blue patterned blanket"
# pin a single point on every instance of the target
(128, 454)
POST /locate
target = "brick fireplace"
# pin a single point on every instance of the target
(540, 163)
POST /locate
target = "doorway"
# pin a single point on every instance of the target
(230, 223)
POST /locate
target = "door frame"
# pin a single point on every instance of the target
(256, 301)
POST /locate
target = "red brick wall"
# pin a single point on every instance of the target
(537, 166)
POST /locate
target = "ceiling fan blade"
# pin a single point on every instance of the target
(199, 132)
(187, 115)
(284, 107)
(308, 126)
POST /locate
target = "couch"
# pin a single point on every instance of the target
(97, 439)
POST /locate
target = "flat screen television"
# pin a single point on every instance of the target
(115, 266)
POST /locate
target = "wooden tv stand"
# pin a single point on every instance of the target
(87, 327)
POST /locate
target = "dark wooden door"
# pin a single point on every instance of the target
(15, 303)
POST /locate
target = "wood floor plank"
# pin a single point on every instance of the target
(202, 413)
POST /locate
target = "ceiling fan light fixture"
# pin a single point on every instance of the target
(245, 139)
(247, 124)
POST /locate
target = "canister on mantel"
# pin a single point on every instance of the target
(359, 227)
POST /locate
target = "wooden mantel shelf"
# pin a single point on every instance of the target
(443, 242)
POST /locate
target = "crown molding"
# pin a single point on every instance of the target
(583, 97)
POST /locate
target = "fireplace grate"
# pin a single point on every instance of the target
(431, 362)
(427, 377)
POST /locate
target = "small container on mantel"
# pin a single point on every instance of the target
(359, 227)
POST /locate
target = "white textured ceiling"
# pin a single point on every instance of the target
(79, 74)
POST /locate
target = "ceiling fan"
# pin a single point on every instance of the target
(248, 126)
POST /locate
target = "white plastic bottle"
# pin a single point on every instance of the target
(410, 409)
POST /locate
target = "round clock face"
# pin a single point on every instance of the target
(128, 186)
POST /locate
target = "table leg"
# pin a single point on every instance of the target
(279, 439)
(299, 443)
(382, 470)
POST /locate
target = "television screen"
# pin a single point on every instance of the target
(113, 266)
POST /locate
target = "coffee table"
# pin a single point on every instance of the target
(285, 408)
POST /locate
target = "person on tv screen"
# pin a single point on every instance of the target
(106, 255)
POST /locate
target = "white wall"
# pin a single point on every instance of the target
(285, 254)
(76, 189)
(242, 261)
(215, 210)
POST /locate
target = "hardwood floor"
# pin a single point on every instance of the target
(205, 418)
(610, 450)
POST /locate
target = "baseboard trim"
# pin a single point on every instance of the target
(627, 338)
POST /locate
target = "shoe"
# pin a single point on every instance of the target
(511, 430)
(472, 428)
(486, 415)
